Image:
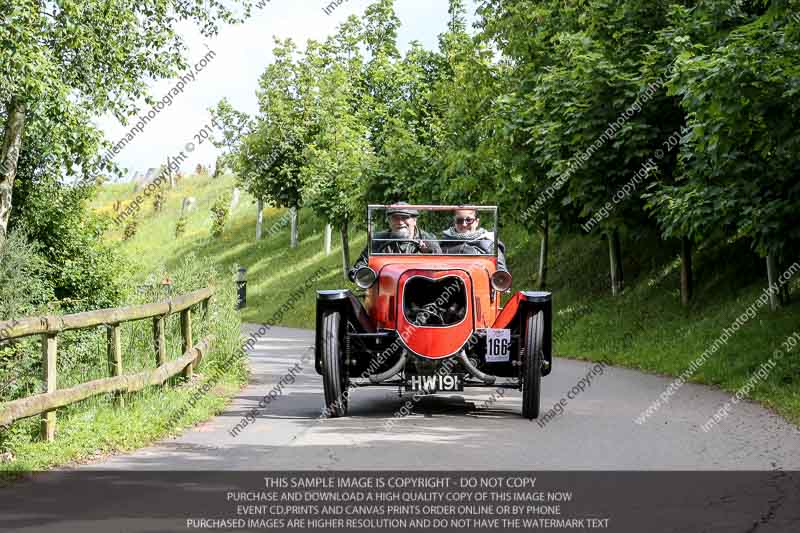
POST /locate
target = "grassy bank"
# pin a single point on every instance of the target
(646, 327)
(273, 270)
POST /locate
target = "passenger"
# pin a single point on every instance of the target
(402, 225)
(467, 237)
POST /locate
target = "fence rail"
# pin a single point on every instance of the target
(26, 327)
(49, 327)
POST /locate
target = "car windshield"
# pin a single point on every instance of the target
(434, 230)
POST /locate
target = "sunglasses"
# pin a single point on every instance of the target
(465, 220)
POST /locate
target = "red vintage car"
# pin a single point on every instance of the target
(428, 317)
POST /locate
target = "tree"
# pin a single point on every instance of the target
(528, 187)
(235, 126)
(736, 77)
(337, 159)
(267, 151)
(409, 167)
(219, 167)
(381, 98)
(468, 159)
(70, 58)
(588, 110)
(280, 134)
(338, 153)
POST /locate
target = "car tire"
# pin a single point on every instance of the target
(532, 366)
(333, 377)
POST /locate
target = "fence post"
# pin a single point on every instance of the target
(160, 341)
(115, 356)
(49, 350)
(186, 332)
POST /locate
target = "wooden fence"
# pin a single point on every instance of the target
(49, 327)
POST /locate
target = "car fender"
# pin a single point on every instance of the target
(522, 304)
(344, 301)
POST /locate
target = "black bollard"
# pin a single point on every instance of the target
(241, 285)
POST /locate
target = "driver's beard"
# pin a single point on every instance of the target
(401, 234)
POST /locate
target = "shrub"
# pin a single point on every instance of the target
(81, 268)
(24, 291)
(130, 229)
(159, 200)
(180, 226)
(24, 286)
(219, 213)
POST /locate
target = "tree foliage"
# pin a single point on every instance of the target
(739, 89)
(549, 109)
(63, 62)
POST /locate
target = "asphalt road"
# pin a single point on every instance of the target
(462, 431)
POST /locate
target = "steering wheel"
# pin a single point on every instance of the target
(416, 243)
(426, 312)
(434, 310)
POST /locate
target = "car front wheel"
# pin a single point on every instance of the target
(333, 375)
(532, 366)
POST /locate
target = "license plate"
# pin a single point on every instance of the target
(448, 383)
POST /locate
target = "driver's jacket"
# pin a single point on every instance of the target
(396, 247)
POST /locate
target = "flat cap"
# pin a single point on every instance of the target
(398, 209)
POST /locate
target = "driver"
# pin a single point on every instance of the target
(402, 225)
(466, 236)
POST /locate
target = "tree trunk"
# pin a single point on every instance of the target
(345, 249)
(259, 218)
(293, 224)
(544, 250)
(772, 275)
(785, 293)
(328, 235)
(687, 278)
(618, 252)
(9, 157)
(615, 262)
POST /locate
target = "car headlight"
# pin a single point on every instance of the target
(365, 277)
(501, 281)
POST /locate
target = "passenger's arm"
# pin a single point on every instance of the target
(501, 257)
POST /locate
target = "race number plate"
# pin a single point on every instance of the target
(435, 383)
(498, 345)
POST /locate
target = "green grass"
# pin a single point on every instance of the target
(86, 434)
(645, 328)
